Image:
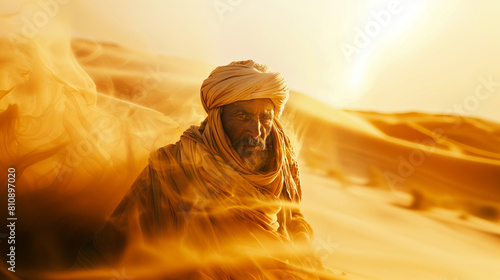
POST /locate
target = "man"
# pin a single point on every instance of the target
(228, 187)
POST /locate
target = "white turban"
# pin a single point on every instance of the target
(243, 80)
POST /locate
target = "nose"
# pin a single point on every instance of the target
(254, 128)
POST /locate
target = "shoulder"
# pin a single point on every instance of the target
(162, 156)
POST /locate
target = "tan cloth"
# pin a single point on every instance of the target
(243, 80)
(198, 194)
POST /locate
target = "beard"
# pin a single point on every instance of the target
(253, 152)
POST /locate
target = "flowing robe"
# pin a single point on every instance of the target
(194, 196)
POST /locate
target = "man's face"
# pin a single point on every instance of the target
(248, 125)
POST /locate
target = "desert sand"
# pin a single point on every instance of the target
(390, 196)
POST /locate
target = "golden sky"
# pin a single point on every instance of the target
(436, 56)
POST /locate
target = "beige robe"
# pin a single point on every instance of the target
(201, 201)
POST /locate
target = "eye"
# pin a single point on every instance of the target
(266, 118)
(241, 117)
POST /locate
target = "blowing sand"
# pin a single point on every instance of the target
(390, 196)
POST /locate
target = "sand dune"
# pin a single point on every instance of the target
(452, 161)
(360, 169)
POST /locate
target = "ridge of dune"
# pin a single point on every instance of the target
(458, 156)
(482, 140)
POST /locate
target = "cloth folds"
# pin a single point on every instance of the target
(188, 194)
(243, 80)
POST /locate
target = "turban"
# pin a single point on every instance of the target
(243, 80)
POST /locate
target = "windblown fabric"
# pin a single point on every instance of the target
(198, 197)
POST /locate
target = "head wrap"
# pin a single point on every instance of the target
(243, 80)
(239, 81)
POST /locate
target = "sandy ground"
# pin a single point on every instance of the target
(361, 232)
